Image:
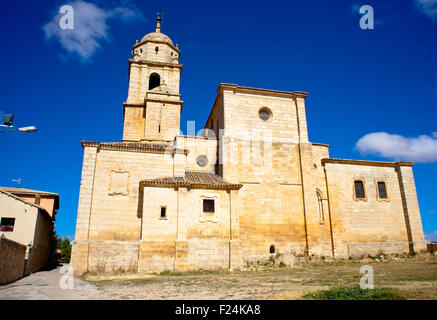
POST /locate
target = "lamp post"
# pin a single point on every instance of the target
(22, 129)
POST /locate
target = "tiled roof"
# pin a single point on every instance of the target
(28, 191)
(193, 179)
(16, 191)
(133, 146)
(44, 211)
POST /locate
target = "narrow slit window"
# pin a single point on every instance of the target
(320, 205)
(382, 190)
(7, 224)
(359, 189)
(272, 249)
(163, 212)
(208, 205)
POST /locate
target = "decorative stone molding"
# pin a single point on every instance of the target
(235, 87)
(134, 147)
(367, 163)
(119, 183)
(156, 63)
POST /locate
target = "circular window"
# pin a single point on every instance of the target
(202, 160)
(265, 114)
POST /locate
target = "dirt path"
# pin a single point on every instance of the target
(223, 286)
(417, 276)
(50, 285)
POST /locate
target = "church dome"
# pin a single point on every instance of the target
(158, 37)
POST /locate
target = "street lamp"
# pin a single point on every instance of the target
(22, 129)
(6, 120)
(28, 129)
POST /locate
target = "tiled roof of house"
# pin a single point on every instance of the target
(23, 191)
(28, 191)
(44, 211)
(193, 179)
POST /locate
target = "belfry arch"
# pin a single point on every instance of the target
(154, 80)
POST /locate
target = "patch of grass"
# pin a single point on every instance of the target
(378, 257)
(191, 273)
(170, 273)
(356, 293)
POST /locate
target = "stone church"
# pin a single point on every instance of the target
(250, 186)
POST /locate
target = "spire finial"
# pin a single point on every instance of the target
(158, 20)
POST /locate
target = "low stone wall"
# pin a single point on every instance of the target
(432, 247)
(357, 250)
(112, 256)
(11, 260)
(209, 254)
(40, 257)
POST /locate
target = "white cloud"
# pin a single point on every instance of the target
(399, 148)
(428, 7)
(91, 27)
(432, 236)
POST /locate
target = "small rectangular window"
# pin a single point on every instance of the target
(382, 190)
(359, 189)
(208, 205)
(163, 212)
(7, 224)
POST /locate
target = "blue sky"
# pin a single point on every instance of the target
(377, 88)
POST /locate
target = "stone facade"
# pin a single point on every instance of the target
(251, 186)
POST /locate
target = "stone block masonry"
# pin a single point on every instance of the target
(254, 188)
(12, 262)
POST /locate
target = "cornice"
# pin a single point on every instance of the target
(237, 88)
(320, 144)
(367, 163)
(139, 44)
(163, 101)
(156, 63)
(134, 147)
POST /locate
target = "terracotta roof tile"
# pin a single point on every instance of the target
(193, 179)
(43, 210)
(17, 191)
(28, 191)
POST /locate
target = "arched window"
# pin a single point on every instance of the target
(320, 206)
(272, 249)
(154, 81)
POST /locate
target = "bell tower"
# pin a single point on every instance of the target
(153, 106)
